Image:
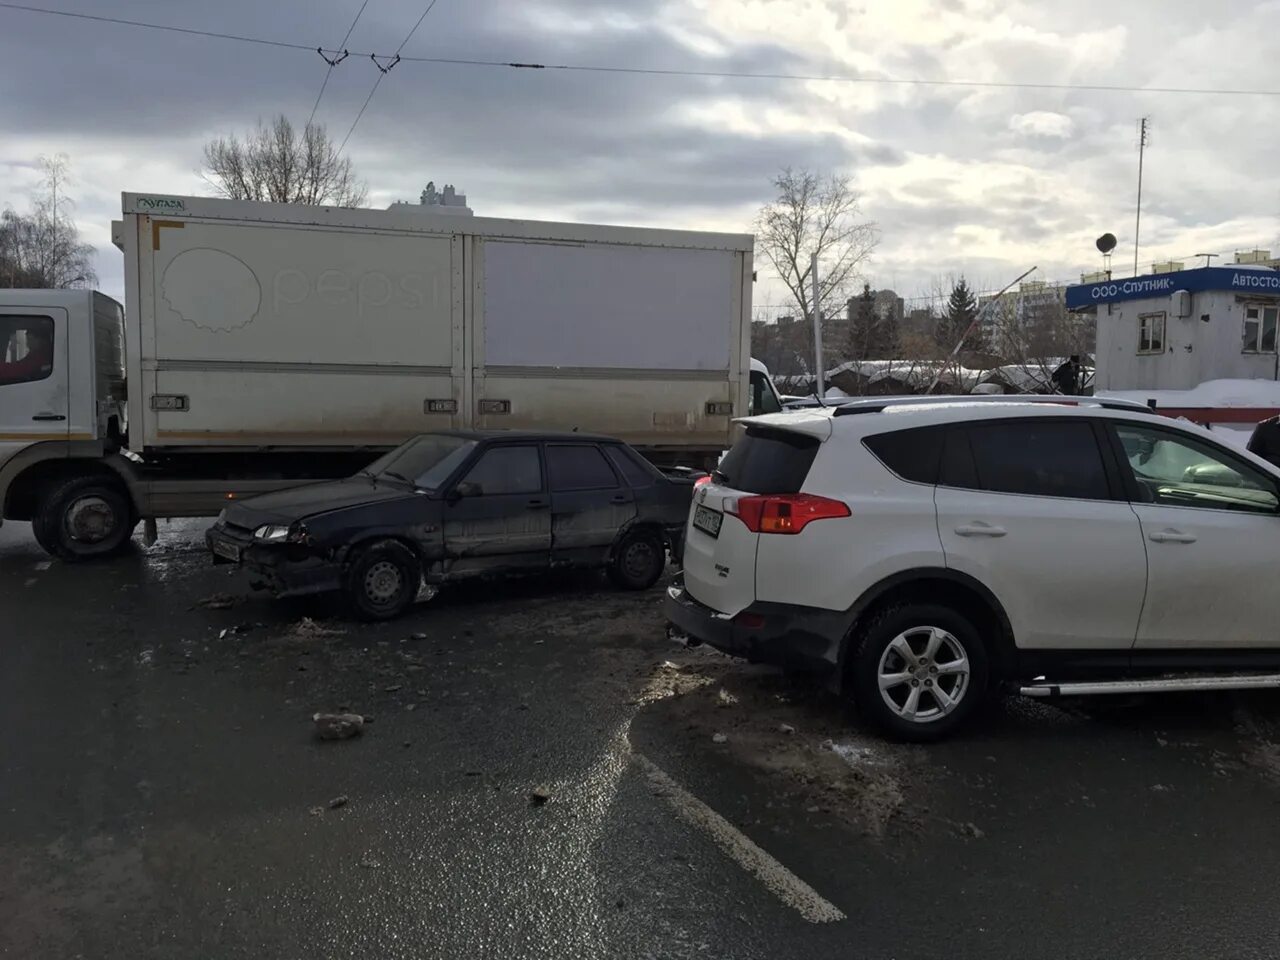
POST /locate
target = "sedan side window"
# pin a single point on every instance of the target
(1177, 471)
(507, 470)
(578, 467)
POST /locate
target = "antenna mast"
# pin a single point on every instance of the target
(1144, 126)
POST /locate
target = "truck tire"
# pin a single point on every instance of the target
(638, 560)
(382, 580)
(84, 518)
(919, 671)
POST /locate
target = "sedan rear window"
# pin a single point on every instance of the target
(768, 461)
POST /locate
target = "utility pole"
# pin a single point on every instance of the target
(1143, 127)
(820, 380)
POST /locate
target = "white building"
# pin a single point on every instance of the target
(1175, 330)
(432, 200)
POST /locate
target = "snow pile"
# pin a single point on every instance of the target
(1211, 393)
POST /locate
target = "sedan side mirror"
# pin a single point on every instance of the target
(468, 488)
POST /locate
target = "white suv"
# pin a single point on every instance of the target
(920, 552)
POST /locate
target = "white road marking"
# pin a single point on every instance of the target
(784, 884)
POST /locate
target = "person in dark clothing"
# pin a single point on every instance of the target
(1265, 441)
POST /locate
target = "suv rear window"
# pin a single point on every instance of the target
(768, 461)
(911, 454)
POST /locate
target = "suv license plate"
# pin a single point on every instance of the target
(228, 550)
(707, 520)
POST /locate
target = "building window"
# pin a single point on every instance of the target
(1259, 328)
(1151, 333)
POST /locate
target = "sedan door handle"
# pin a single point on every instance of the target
(48, 416)
(979, 529)
(1172, 536)
(619, 499)
(538, 504)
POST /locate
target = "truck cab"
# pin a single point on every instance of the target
(61, 396)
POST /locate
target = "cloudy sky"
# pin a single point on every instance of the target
(981, 181)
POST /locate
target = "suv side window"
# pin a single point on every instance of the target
(911, 454)
(1038, 458)
(1177, 471)
(507, 470)
(578, 466)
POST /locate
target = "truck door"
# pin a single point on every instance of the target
(34, 395)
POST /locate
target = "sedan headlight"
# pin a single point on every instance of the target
(271, 533)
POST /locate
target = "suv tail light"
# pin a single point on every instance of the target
(784, 512)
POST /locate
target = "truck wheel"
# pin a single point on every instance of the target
(638, 560)
(919, 671)
(84, 518)
(382, 580)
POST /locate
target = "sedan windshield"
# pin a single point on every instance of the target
(425, 461)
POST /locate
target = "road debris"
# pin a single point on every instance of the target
(539, 796)
(719, 738)
(338, 801)
(1161, 788)
(725, 699)
(308, 629)
(368, 863)
(316, 811)
(786, 728)
(417, 636)
(338, 726)
(393, 688)
(215, 601)
(972, 830)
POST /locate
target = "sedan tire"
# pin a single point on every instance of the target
(382, 580)
(638, 560)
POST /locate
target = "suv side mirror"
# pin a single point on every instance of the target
(467, 488)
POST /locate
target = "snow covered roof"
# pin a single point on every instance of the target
(1211, 393)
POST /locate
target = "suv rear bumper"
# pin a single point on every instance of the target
(797, 638)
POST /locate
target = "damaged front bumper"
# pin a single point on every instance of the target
(283, 569)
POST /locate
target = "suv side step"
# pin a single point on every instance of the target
(1244, 681)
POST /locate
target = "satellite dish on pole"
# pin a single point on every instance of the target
(1106, 243)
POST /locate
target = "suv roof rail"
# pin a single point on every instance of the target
(879, 404)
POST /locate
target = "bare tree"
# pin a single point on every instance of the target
(277, 164)
(1034, 335)
(815, 214)
(43, 248)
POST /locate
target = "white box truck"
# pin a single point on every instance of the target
(264, 345)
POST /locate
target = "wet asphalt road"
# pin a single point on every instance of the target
(161, 794)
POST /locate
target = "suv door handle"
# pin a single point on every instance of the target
(1172, 536)
(48, 416)
(979, 529)
(620, 498)
(538, 504)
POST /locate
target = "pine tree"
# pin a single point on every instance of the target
(962, 310)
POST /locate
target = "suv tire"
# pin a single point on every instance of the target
(83, 519)
(382, 580)
(638, 560)
(919, 671)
